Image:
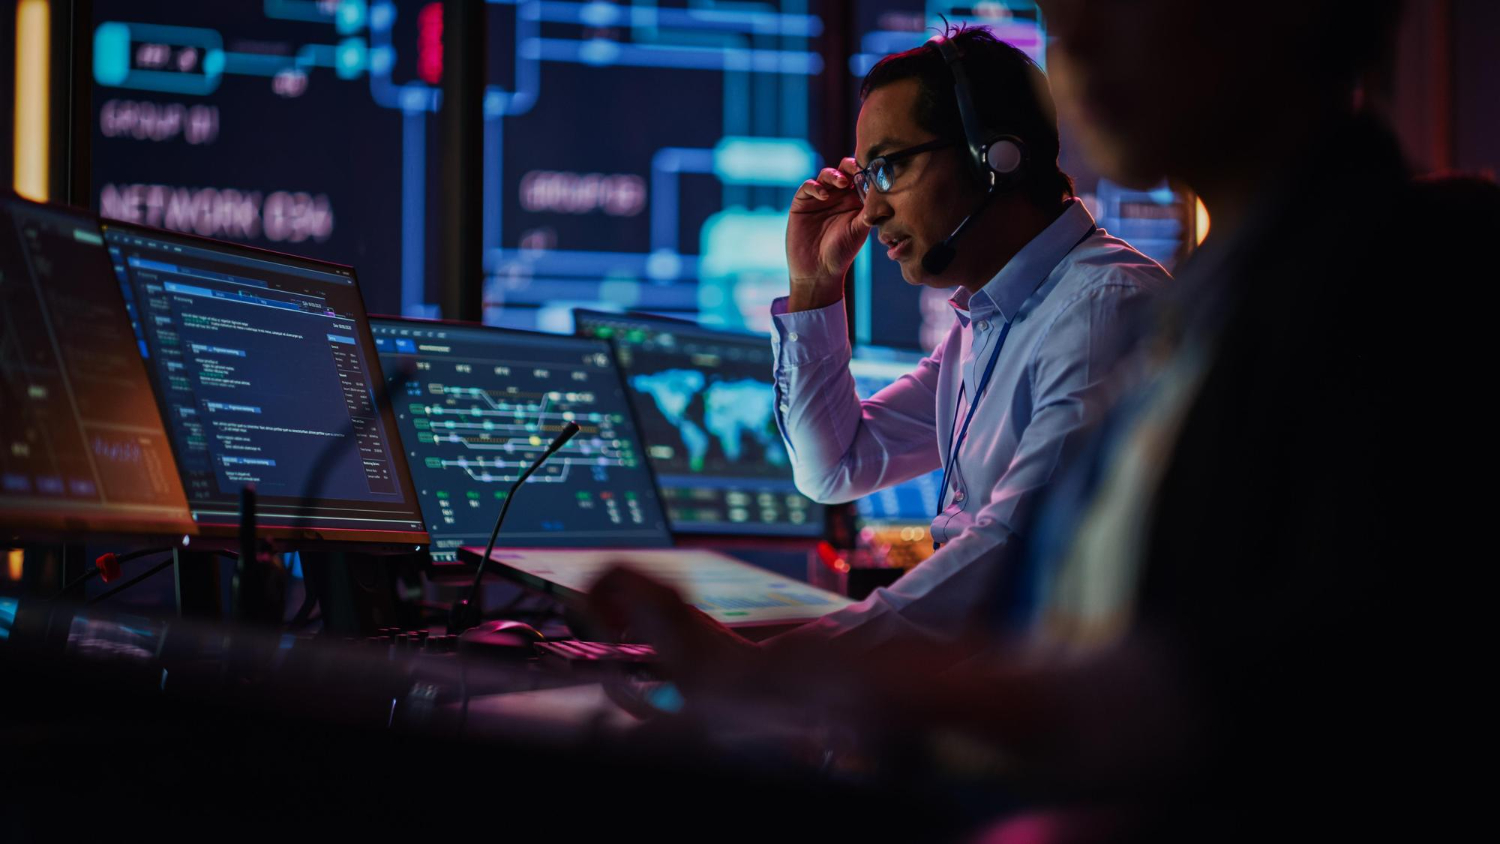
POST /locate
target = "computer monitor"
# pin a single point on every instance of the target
(82, 447)
(704, 401)
(477, 405)
(266, 374)
(912, 502)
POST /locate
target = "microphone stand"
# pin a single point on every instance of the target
(467, 611)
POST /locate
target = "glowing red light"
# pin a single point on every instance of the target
(430, 44)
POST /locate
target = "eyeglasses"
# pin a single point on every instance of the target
(880, 172)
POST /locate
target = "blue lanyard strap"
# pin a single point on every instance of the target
(958, 439)
(984, 382)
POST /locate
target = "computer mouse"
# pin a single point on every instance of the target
(503, 639)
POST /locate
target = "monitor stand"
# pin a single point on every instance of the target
(357, 592)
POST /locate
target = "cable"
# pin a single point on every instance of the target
(133, 581)
(107, 565)
(156, 569)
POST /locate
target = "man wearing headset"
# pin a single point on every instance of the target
(957, 171)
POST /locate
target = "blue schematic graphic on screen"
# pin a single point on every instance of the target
(633, 152)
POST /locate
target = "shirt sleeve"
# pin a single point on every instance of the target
(957, 587)
(842, 448)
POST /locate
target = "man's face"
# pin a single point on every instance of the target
(932, 191)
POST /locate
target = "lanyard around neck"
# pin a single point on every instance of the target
(979, 389)
(958, 438)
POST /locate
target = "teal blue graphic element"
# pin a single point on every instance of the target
(741, 264)
(8, 608)
(351, 15)
(352, 58)
(782, 162)
(213, 64)
(114, 40)
(262, 64)
(111, 53)
(310, 11)
(311, 55)
(864, 288)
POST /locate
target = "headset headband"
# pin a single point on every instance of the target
(1000, 159)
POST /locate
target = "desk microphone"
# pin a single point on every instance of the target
(466, 611)
(939, 257)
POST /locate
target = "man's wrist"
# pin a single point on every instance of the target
(812, 295)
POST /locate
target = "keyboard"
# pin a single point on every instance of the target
(583, 653)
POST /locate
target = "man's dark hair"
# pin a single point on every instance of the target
(1011, 97)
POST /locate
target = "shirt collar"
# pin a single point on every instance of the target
(1027, 270)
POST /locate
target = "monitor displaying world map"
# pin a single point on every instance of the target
(705, 406)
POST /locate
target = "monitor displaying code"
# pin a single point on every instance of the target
(267, 376)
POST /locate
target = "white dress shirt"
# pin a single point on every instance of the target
(1065, 294)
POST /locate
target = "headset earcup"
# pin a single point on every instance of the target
(1005, 158)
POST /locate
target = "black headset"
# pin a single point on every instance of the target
(999, 162)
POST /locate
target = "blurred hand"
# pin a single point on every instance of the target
(823, 234)
(695, 650)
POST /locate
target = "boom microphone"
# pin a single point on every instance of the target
(940, 256)
(466, 611)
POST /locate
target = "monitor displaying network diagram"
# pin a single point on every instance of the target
(476, 406)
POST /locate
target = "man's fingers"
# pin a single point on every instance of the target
(836, 178)
(812, 189)
(830, 182)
